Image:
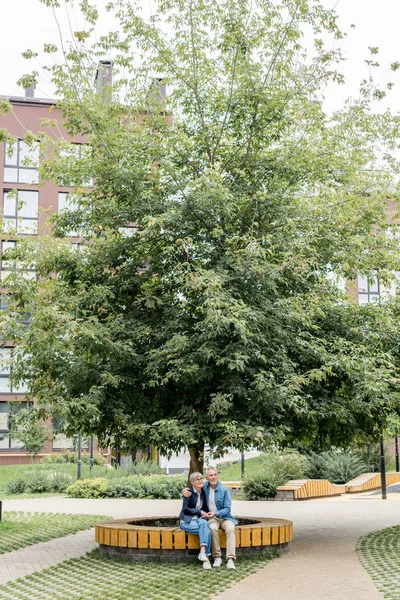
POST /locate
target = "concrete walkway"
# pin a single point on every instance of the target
(320, 565)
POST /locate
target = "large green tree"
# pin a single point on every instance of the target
(218, 319)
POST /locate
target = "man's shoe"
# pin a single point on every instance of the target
(207, 565)
(202, 556)
(230, 564)
(217, 562)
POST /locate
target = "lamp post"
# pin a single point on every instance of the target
(396, 444)
(383, 468)
(91, 452)
(79, 474)
(242, 464)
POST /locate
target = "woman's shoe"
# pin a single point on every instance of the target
(207, 565)
(202, 556)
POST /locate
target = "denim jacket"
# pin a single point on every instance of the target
(189, 509)
(223, 501)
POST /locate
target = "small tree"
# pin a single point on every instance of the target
(30, 430)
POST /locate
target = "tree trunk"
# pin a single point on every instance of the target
(196, 458)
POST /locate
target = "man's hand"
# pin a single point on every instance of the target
(187, 493)
(210, 515)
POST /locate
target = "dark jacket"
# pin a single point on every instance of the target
(189, 509)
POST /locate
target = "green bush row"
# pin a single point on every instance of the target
(337, 467)
(133, 486)
(277, 470)
(39, 482)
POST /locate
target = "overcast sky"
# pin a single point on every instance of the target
(28, 24)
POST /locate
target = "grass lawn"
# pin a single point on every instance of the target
(379, 553)
(253, 466)
(95, 578)
(19, 529)
(10, 472)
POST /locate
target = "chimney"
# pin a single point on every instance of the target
(30, 91)
(103, 80)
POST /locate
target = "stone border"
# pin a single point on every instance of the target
(140, 543)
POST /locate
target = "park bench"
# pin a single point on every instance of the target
(305, 489)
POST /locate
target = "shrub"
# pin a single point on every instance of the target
(88, 488)
(72, 457)
(16, 486)
(126, 487)
(343, 466)
(163, 487)
(259, 488)
(59, 481)
(39, 482)
(146, 467)
(315, 466)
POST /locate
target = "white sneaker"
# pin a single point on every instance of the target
(230, 564)
(217, 562)
(202, 556)
(207, 565)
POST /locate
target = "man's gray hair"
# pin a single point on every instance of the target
(211, 469)
(194, 476)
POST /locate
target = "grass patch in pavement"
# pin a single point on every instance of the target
(96, 578)
(20, 529)
(379, 553)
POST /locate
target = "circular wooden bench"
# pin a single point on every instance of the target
(142, 539)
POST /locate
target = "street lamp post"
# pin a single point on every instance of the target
(91, 452)
(242, 465)
(79, 474)
(383, 468)
(396, 442)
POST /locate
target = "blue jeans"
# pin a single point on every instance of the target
(201, 528)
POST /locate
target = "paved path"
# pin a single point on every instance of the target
(320, 565)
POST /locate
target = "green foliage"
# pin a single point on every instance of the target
(30, 430)
(145, 467)
(88, 488)
(219, 319)
(259, 487)
(16, 486)
(39, 482)
(315, 466)
(344, 466)
(165, 487)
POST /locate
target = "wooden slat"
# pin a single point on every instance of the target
(222, 538)
(266, 536)
(132, 539)
(245, 538)
(122, 538)
(192, 541)
(166, 540)
(256, 536)
(155, 539)
(274, 535)
(179, 539)
(107, 537)
(143, 538)
(114, 537)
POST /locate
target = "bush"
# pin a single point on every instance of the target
(126, 487)
(259, 488)
(146, 467)
(16, 486)
(72, 457)
(343, 466)
(315, 466)
(59, 481)
(38, 482)
(88, 488)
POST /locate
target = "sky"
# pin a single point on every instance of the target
(29, 23)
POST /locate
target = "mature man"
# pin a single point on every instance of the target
(219, 504)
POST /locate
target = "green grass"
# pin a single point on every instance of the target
(95, 578)
(19, 529)
(253, 466)
(379, 553)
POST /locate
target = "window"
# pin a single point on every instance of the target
(21, 162)
(368, 289)
(6, 356)
(7, 266)
(7, 411)
(67, 202)
(73, 154)
(20, 211)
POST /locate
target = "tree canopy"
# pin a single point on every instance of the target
(202, 303)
